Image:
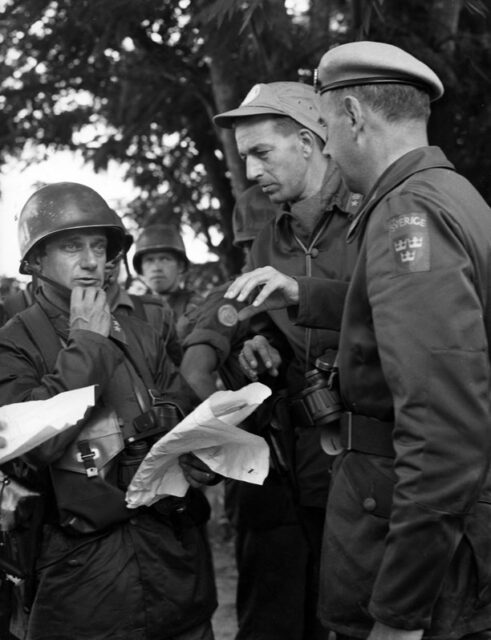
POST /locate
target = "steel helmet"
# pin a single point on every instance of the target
(252, 211)
(159, 237)
(63, 206)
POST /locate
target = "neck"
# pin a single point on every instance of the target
(307, 209)
(59, 299)
(386, 148)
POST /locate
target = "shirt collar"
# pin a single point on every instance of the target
(403, 168)
(120, 298)
(333, 194)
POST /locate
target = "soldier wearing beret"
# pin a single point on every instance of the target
(407, 542)
(407, 546)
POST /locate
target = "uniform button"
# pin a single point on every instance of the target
(314, 252)
(74, 563)
(133, 520)
(369, 504)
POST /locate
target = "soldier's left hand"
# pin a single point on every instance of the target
(196, 472)
(277, 291)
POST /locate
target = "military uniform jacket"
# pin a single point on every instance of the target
(137, 580)
(323, 258)
(408, 540)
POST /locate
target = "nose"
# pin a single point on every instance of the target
(253, 168)
(88, 259)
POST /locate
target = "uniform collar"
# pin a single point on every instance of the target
(407, 165)
(334, 194)
(57, 310)
(119, 298)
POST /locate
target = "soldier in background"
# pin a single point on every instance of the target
(161, 261)
(147, 306)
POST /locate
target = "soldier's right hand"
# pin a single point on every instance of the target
(258, 356)
(89, 310)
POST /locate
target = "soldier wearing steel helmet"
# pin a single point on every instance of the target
(147, 306)
(103, 570)
(160, 259)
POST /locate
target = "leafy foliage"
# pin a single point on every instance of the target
(138, 81)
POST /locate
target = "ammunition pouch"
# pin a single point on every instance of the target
(86, 499)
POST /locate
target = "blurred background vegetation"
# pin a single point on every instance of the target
(138, 82)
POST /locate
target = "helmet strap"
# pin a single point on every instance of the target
(36, 274)
(129, 276)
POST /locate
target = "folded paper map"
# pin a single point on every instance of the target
(28, 424)
(211, 433)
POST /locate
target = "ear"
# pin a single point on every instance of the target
(36, 259)
(307, 141)
(354, 111)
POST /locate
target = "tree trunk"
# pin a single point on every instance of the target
(225, 96)
(444, 18)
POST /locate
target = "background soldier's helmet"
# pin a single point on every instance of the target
(252, 211)
(159, 237)
(65, 206)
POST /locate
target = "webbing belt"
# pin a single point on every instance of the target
(366, 435)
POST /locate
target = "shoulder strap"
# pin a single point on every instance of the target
(15, 303)
(42, 333)
(139, 307)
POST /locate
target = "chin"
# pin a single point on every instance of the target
(275, 197)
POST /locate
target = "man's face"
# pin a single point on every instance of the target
(161, 270)
(273, 159)
(340, 146)
(75, 258)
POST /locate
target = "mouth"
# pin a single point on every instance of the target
(89, 282)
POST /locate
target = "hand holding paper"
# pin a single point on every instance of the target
(211, 433)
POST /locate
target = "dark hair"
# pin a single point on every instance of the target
(395, 102)
(288, 126)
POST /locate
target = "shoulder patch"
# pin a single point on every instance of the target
(354, 202)
(409, 242)
(227, 315)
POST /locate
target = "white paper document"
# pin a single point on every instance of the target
(29, 424)
(211, 433)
